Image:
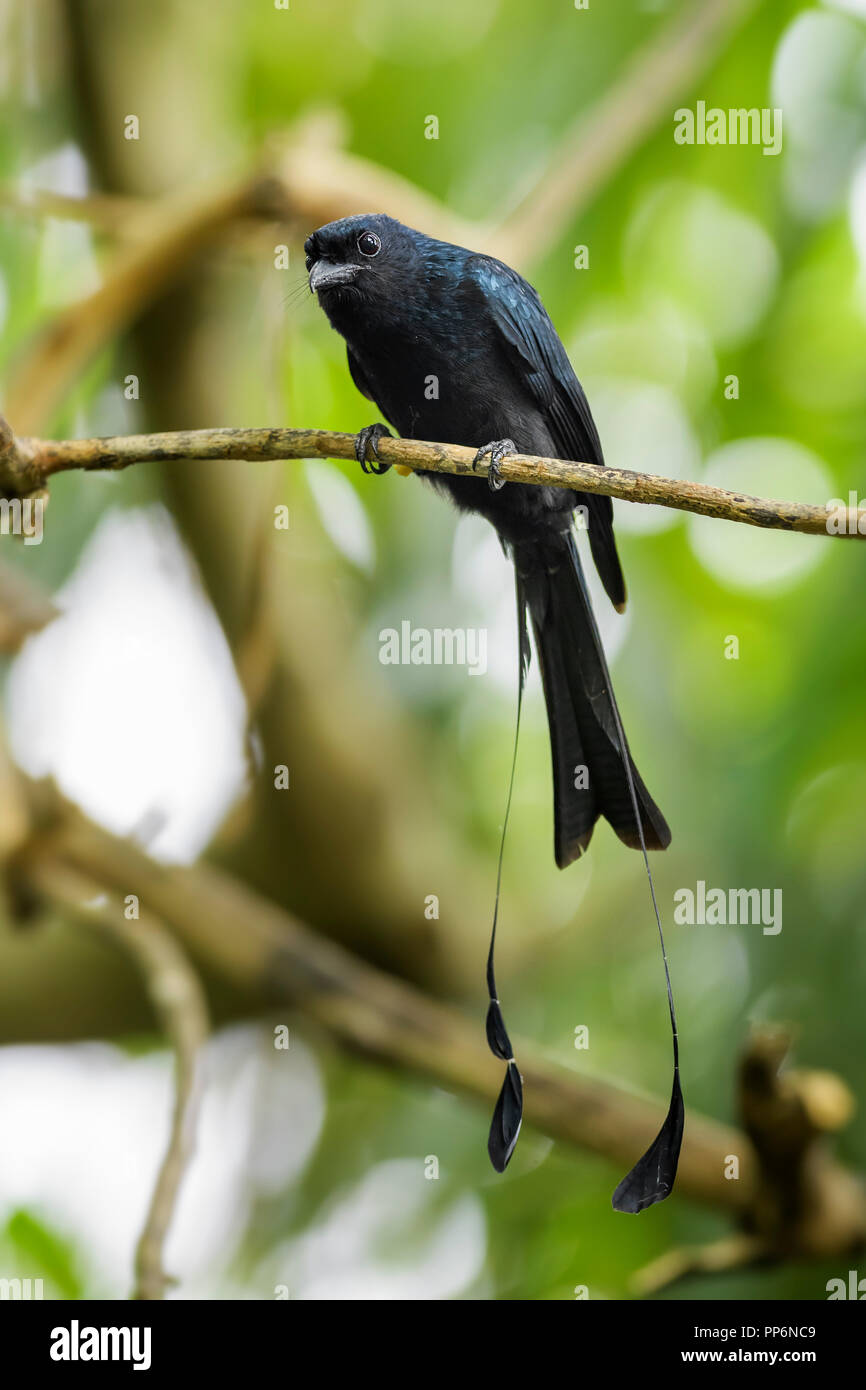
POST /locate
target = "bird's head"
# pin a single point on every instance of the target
(359, 261)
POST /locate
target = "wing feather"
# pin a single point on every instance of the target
(535, 347)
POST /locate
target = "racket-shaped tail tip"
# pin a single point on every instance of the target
(507, 1119)
(652, 1177)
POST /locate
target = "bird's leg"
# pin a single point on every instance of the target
(497, 449)
(368, 438)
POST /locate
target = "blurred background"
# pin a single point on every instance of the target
(196, 647)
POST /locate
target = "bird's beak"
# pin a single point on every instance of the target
(325, 275)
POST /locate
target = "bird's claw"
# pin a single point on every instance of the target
(368, 439)
(498, 449)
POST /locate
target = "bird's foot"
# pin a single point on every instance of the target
(366, 440)
(498, 449)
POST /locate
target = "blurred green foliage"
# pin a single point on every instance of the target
(30, 1247)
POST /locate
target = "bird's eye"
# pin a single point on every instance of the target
(369, 244)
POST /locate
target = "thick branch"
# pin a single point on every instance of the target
(171, 233)
(274, 956)
(103, 210)
(266, 953)
(310, 180)
(47, 457)
(303, 178)
(19, 474)
(24, 609)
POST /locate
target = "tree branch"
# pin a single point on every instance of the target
(172, 232)
(24, 609)
(309, 179)
(179, 1002)
(275, 957)
(272, 956)
(606, 135)
(40, 459)
(110, 213)
(19, 473)
(303, 177)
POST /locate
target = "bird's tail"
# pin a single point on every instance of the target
(589, 773)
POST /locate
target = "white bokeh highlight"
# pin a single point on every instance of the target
(86, 1127)
(358, 1250)
(749, 558)
(645, 429)
(129, 699)
(697, 248)
(341, 512)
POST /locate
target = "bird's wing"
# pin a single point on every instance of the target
(533, 344)
(530, 336)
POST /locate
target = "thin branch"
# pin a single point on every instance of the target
(45, 457)
(179, 1001)
(172, 232)
(314, 179)
(322, 182)
(109, 212)
(736, 1252)
(609, 132)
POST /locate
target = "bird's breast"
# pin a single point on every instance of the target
(445, 391)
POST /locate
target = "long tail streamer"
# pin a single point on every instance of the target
(508, 1115)
(652, 1177)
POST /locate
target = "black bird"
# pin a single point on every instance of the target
(456, 347)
